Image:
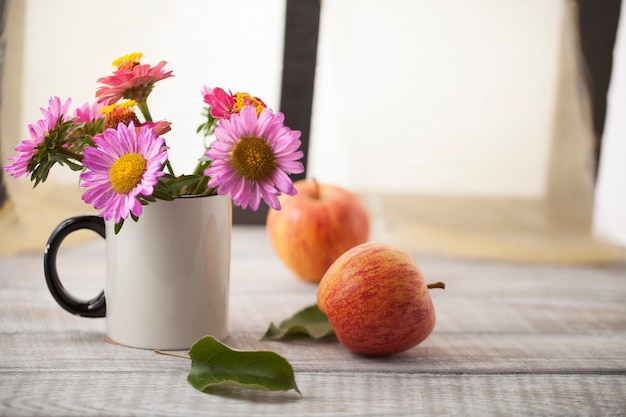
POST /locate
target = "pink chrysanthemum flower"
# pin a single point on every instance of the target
(252, 157)
(131, 80)
(19, 164)
(224, 104)
(89, 112)
(27, 161)
(89, 121)
(124, 164)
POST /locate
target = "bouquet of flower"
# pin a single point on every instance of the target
(124, 161)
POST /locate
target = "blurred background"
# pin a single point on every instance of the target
(469, 128)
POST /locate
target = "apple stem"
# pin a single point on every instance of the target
(437, 284)
(316, 189)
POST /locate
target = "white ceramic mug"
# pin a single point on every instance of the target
(167, 275)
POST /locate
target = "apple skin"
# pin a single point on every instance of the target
(376, 300)
(316, 226)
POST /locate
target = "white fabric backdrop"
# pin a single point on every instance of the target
(465, 125)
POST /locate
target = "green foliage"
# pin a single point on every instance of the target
(213, 364)
(118, 226)
(208, 126)
(309, 322)
(54, 150)
(183, 181)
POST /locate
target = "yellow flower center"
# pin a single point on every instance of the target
(126, 172)
(128, 61)
(245, 99)
(126, 104)
(253, 158)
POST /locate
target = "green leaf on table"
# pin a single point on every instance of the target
(217, 365)
(309, 322)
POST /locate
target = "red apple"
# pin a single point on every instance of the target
(316, 226)
(376, 300)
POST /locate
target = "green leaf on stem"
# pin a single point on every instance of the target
(309, 322)
(183, 181)
(146, 199)
(118, 226)
(213, 364)
(162, 194)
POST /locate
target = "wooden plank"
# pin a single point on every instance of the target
(165, 393)
(83, 350)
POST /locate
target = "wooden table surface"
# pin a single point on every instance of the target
(509, 340)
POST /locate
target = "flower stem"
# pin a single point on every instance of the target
(201, 186)
(70, 154)
(169, 167)
(202, 165)
(143, 107)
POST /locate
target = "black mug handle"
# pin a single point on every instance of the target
(95, 307)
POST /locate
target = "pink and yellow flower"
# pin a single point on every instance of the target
(223, 104)
(253, 157)
(124, 112)
(131, 80)
(125, 164)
